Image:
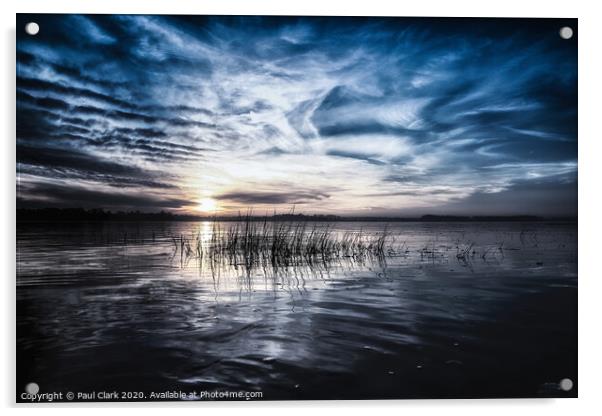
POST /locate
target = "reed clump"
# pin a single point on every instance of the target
(250, 242)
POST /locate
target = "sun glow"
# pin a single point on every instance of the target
(207, 205)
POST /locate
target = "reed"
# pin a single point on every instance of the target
(278, 243)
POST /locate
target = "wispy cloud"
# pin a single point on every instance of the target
(346, 115)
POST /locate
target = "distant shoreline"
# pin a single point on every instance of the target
(81, 215)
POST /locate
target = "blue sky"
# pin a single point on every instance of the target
(350, 116)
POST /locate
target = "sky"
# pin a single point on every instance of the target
(346, 116)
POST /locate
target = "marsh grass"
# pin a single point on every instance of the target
(250, 243)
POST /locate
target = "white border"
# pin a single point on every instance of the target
(590, 288)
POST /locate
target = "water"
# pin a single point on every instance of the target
(115, 306)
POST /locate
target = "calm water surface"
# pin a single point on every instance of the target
(116, 306)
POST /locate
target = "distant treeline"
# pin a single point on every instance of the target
(82, 215)
(90, 215)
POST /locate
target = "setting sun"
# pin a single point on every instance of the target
(207, 205)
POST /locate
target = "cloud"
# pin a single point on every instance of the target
(358, 156)
(70, 164)
(271, 198)
(70, 196)
(399, 113)
(64, 158)
(549, 197)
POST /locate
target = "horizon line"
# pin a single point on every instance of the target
(90, 213)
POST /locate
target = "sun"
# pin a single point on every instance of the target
(207, 205)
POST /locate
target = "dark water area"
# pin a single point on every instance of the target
(453, 310)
